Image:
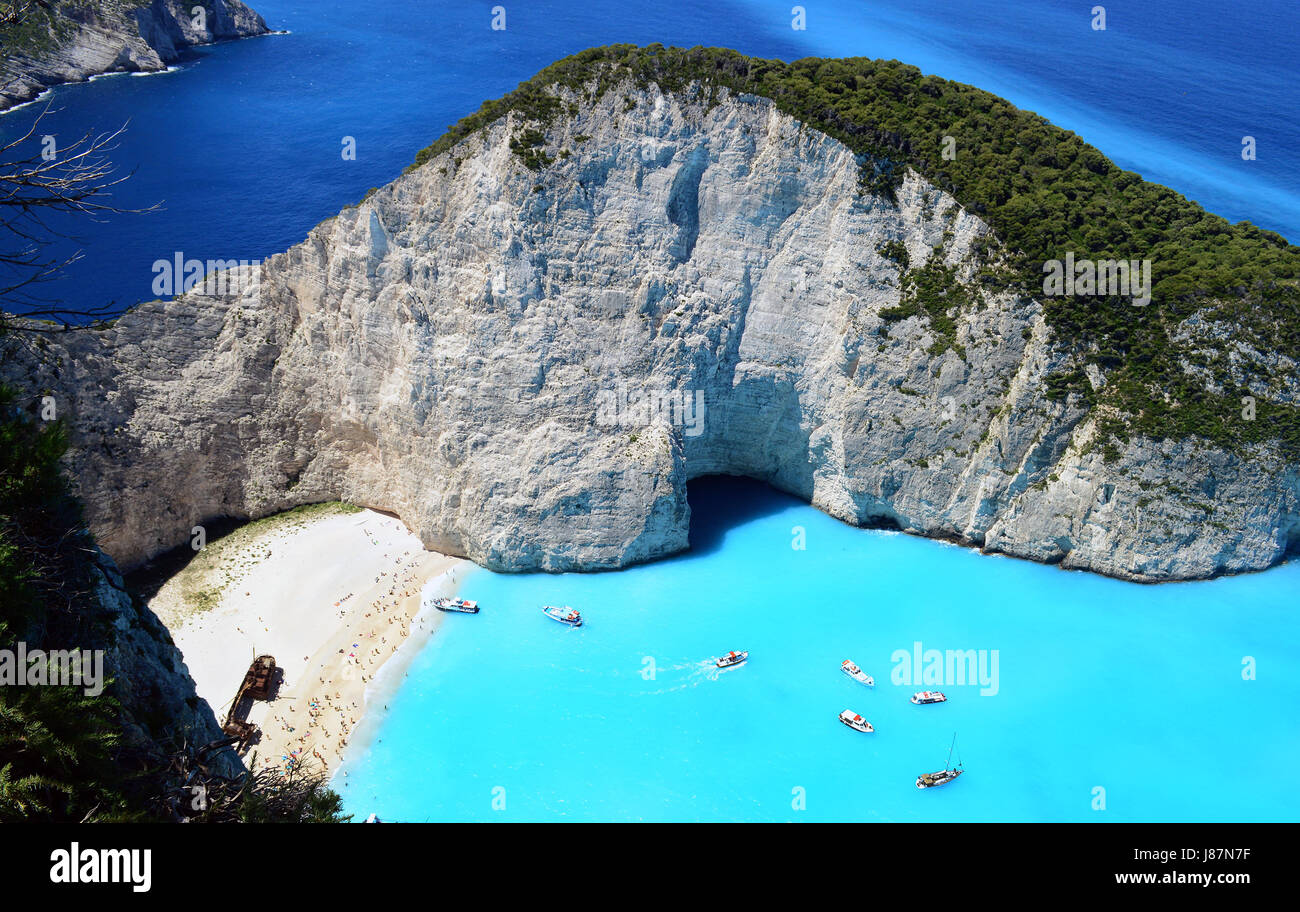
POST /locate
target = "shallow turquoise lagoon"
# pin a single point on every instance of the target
(1100, 685)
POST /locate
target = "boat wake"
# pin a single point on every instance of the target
(696, 673)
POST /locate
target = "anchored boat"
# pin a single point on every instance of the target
(565, 615)
(732, 658)
(465, 606)
(856, 722)
(856, 673)
(928, 696)
(945, 775)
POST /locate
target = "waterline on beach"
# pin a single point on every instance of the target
(387, 681)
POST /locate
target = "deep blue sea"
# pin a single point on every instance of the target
(1134, 690)
(242, 145)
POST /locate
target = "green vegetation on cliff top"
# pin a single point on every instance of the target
(1046, 193)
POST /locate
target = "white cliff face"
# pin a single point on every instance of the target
(447, 351)
(120, 36)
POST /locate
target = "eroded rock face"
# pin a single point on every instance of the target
(120, 36)
(160, 708)
(448, 350)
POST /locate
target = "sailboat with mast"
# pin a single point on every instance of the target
(945, 775)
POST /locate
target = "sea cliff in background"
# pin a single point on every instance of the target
(69, 42)
(449, 349)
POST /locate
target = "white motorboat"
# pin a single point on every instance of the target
(856, 722)
(565, 615)
(732, 658)
(464, 606)
(856, 673)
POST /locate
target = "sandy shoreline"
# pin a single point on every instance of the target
(332, 595)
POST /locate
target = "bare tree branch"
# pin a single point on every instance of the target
(37, 180)
(12, 13)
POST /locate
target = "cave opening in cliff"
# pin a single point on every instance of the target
(720, 503)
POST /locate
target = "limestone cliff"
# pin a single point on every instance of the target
(448, 349)
(160, 709)
(76, 41)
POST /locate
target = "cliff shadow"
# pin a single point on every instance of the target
(720, 503)
(144, 580)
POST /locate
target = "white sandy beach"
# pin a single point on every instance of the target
(331, 594)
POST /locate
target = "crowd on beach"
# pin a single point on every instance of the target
(332, 716)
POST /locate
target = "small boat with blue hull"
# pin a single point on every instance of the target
(565, 615)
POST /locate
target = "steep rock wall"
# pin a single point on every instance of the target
(442, 351)
(118, 36)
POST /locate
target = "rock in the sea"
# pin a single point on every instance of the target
(73, 43)
(528, 366)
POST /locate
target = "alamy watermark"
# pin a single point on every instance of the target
(180, 275)
(1114, 278)
(82, 668)
(628, 407)
(950, 668)
(75, 865)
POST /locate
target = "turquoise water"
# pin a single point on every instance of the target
(1137, 690)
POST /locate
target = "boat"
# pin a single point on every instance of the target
(260, 681)
(856, 673)
(732, 658)
(856, 722)
(945, 775)
(260, 677)
(928, 696)
(465, 606)
(565, 615)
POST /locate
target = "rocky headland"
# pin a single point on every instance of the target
(66, 42)
(473, 346)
